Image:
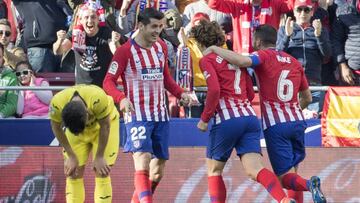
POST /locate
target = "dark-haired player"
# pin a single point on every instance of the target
(281, 79)
(84, 119)
(235, 123)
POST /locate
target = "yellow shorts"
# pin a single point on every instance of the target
(88, 141)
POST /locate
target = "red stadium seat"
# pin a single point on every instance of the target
(58, 79)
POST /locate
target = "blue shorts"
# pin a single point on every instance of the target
(285, 145)
(242, 133)
(148, 136)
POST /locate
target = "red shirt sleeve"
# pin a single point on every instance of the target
(304, 83)
(213, 92)
(226, 6)
(169, 82)
(115, 70)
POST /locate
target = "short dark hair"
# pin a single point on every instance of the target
(24, 63)
(145, 15)
(74, 116)
(5, 21)
(266, 33)
(208, 33)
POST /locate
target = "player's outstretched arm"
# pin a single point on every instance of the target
(100, 165)
(230, 56)
(305, 98)
(71, 162)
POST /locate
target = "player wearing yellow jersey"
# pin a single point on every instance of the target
(84, 119)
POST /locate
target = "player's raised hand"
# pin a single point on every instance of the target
(202, 126)
(126, 106)
(317, 27)
(70, 165)
(101, 167)
(289, 26)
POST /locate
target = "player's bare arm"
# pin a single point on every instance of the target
(305, 98)
(100, 166)
(71, 163)
(230, 56)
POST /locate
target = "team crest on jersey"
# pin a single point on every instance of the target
(136, 143)
(113, 67)
(206, 75)
(219, 59)
(52, 109)
(160, 56)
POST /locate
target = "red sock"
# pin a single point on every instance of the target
(142, 186)
(293, 181)
(271, 184)
(298, 196)
(135, 198)
(153, 185)
(217, 189)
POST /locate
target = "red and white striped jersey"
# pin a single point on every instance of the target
(145, 75)
(280, 78)
(229, 90)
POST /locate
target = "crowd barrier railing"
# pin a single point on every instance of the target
(200, 89)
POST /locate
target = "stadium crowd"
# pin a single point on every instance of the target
(49, 37)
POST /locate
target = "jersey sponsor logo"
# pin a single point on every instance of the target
(152, 74)
(283, 59)
(219, 59)
(113, 67)
(266, 11)
(96, 102)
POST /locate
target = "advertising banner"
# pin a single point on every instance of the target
(35, 174)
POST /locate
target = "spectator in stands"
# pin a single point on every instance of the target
(11, 55)
(130, 9)
(345, 38)
(8, 98)
(201, 6)
(249, 14)
(189, 51)
(308, 43)
(41, 18)
(32, 104)
(91, 44)
(109, 10)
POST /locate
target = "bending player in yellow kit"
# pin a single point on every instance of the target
(84, 119)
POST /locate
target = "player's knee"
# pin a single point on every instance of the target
(156, 176)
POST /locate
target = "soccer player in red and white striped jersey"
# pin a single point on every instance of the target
(236, 125)
(280, 78)
(142, 65)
